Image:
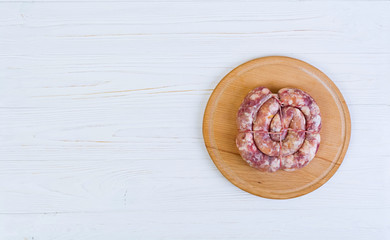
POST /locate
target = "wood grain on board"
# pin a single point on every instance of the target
(220, 129)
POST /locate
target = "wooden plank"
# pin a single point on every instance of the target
(101, 109)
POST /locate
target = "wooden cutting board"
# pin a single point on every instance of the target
(219, 126)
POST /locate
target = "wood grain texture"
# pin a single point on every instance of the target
(276, 72)
(101, 108)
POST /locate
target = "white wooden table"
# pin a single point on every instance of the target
(101, 107)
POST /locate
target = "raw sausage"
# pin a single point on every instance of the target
(306, 104)
(244, 141)
(278, 131)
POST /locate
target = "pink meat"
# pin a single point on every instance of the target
(306, 104)
(278, 131)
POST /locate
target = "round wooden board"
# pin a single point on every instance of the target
(220, 130)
